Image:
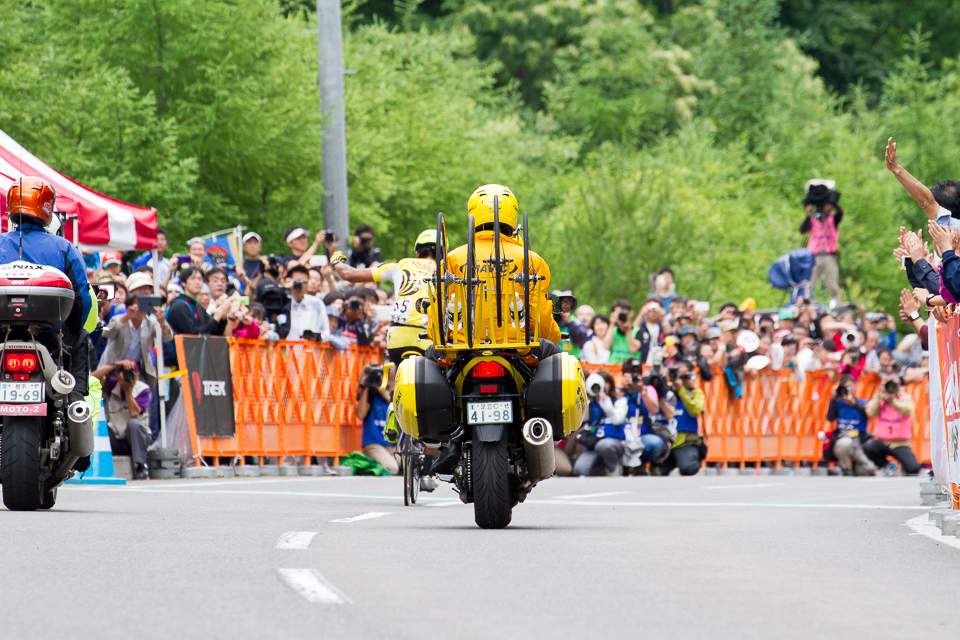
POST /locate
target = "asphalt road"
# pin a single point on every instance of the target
(717, 557)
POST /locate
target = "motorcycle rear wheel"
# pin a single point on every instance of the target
(492, 506)
(22, 486)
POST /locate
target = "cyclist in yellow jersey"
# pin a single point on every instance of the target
(408, 277)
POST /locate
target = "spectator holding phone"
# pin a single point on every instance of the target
(131, 337)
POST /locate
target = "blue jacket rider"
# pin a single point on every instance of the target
(30, 204)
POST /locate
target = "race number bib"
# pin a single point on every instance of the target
(401, 311)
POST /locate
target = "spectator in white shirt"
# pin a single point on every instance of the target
(307, 313)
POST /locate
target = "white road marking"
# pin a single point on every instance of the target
(745, 486)
(363, 516)
(313, 586)
(362, 496)
(590, 495)
(923, 526)
(448, 503)
(296, 539)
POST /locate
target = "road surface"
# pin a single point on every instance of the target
(717, 557)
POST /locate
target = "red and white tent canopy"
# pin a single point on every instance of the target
(103, 223)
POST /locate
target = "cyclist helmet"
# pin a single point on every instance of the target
(31, 197)
(426, 241)
(481, 206)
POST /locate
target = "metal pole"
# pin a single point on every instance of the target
(336, 213)
(158, 343)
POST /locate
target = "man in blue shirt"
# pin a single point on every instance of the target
(30, 203)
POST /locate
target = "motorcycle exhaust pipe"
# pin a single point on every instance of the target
(80, 428)
(538, 449)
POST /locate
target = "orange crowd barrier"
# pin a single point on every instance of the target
(778, 419)
(291, 399)
(299, 399)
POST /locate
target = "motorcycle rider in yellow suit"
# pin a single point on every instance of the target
(480, 206)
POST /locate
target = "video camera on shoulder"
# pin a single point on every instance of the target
(820, 193)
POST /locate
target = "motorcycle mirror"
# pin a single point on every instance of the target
(565, 304)
(106, 291)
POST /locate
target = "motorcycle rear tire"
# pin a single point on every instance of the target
(22, 486)
(492, 506)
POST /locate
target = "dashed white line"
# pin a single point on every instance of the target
(923, 526)
(745, 486)
(313, 586)
(296, 539)
(590, 495)
(448, 503)
(363, 516)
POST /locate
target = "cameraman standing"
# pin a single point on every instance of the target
(308, 314)
(892, 430)
(824, 214)
(372, 405)
(621, 340)
(688, 449)
(850, 432)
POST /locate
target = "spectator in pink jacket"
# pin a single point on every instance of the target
(892, 430)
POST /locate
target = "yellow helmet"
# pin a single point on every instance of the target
(481, 205)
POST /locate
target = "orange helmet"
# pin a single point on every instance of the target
(31, 196)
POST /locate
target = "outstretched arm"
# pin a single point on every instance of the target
(348, 273)
(914, 187)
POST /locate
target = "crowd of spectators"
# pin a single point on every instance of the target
(649, 424)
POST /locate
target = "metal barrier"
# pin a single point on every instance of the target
(291, 399)
(299, 399)
(778, 419)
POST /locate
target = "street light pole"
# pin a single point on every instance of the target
(336, 213)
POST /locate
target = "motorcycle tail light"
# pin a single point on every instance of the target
(488, 370)
(20, 363)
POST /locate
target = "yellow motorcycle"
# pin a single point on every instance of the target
(482, 392)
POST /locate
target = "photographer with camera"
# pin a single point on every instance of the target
(621, 340)
(364, 255)
(127, 402)
(604, 437)
(892, 429)
(372, 407)
(642, 405)
(822, 205)
(353, 319)
(308, 314)
(844, 445)
(688, 449)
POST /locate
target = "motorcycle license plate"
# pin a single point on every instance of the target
(21, 392)
(489, 412)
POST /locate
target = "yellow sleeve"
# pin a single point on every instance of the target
(378, 271)
(549, 328)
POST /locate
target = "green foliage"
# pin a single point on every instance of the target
(635, 133)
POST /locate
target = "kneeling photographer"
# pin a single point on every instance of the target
(688, 450)
(642, 405)
(372, 405)
(892, 430)
(849, 437)
(604, 436)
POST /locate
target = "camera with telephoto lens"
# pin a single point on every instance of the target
(298, 285)
(656, 377)
(892, 387)
(851, 339)
(374, 376)
(623, 316)
(354, 305)
(595, 385)
(842, 391)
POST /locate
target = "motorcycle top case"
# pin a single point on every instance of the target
(32, 294)
(557, 394)
(424, 403)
